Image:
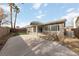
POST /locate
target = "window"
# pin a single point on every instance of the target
(54, 27)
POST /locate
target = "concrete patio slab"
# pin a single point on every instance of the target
(30, 45)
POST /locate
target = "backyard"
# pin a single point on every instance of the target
(22, 33)
(39, 46)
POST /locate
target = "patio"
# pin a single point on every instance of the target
(32, 45)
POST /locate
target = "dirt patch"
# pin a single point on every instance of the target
(73, 44)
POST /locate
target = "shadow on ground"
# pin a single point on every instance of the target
(24, 46)
(16, 47)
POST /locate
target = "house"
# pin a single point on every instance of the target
(76, 22)
(70, 29)
(55, 26)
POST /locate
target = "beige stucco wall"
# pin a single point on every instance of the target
(4, 31)
(47, 28)
(59, 33)
(61, 27)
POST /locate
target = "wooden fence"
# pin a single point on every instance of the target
(4, 31)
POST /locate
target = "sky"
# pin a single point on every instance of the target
(44, 12)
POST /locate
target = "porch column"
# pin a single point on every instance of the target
(36, 29)
(50, 28)
(32, 29)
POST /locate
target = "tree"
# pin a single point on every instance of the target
(12, 5)
(2, 15)
(17, 10)
(11, 14)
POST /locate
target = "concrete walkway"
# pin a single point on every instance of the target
(30, 45)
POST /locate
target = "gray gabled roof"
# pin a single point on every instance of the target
(49, 23)
(36, 23)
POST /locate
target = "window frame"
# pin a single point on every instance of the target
(55, 25)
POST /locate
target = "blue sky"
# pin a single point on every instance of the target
(44, 12)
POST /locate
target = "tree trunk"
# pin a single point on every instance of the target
(15, 20)
(11, 14)
(0, 23)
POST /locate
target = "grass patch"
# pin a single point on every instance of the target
(19, 33)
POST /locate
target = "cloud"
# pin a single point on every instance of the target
(71, 14)
(36, 5)
(72, 10)
(5, 7)
(40, 16)
(40, 12)
(45, 4)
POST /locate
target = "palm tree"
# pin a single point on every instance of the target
(17, 10)
(11, 14)
(12, 5)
